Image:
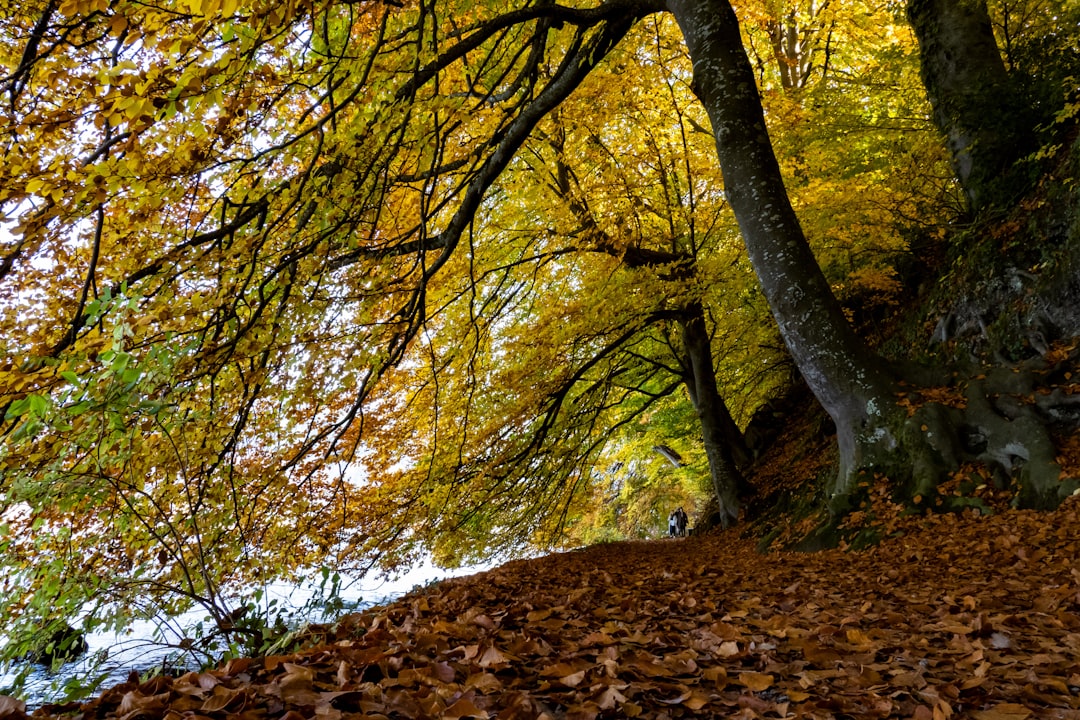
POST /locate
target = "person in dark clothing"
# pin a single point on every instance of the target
(677, 523)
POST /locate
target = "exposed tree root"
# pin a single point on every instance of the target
(1003, 419)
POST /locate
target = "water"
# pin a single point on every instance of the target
(138, 650)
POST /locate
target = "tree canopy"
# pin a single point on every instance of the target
(286, 285)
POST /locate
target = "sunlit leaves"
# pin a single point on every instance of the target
(220, 217)
(285, 283)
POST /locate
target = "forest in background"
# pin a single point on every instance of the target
(335, 284)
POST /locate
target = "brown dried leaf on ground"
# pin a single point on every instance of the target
(955, 616)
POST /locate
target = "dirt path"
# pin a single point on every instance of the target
(961, 617)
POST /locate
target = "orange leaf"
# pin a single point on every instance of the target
(493, 656)
(697, 700)
(716, 675)
(755, 681)
(1003, 711)
(464, 707)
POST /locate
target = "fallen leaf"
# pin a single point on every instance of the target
(135, 705)
(464, 707)
(610, 698)
(716, 675)
(598, 639)
(727, 649)
(443, 672)
(573, 679)
(221, 698)
(859, 638)
(697, 700)
(493, 656)
(561, 669)
(819, 655)
(484, 682)
(239, 665)
(678, 699)
(11, 707)
(1003, 711)
(755, 681)
(484, 621)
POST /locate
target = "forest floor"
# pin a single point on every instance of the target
(953, 616)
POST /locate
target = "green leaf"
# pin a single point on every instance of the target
(39, 404)
(18, 408)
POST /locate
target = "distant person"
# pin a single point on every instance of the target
(677, 523)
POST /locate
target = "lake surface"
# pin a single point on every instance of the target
(138, 650)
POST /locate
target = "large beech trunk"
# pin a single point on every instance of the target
(997, 426)
(969, 90)
(725, 447)
(849, 381)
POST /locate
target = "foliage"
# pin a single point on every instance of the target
(339, 283)
(640, 485)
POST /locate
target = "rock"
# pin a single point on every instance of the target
(62, 646)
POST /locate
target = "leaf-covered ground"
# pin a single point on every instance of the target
(958, 617)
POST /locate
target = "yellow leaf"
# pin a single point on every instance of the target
(858, 637)
(755, 681)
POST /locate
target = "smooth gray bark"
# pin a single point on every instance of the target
(850, 381)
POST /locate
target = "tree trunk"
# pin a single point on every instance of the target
(874, 432)
(723, 441)
(849, 381)
(968, 87)
(725, 446)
